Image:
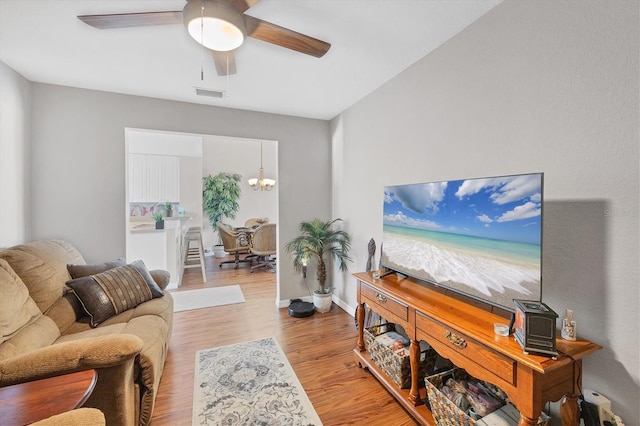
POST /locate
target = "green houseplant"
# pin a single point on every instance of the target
(319, 238)
(220, 195)
(159, 220)
(169, 207)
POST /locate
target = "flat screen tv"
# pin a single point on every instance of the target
(478, 237)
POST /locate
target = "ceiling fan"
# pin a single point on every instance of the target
(220, 26)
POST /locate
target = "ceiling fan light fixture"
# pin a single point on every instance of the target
(214, 24)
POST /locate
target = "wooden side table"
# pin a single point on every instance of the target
(29, 402)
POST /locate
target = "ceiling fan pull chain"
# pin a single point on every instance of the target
(202, 43)
(227, 94)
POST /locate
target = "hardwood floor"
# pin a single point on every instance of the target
(319, 349)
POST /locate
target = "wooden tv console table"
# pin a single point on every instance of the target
(463, 333)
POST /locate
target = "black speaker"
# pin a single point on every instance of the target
(535, 327)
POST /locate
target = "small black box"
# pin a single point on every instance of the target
(535, 327)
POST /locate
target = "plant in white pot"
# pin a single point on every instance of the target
(319, 238)
(220, 195)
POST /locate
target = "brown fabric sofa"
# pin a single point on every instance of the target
(46, 332)
(79, 417)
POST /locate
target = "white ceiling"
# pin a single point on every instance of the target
(372, 41)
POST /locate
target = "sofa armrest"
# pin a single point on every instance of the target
(161, 277)
(69, 357)
(79, 416)
(112, 357)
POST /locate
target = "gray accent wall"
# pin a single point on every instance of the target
(79, 158)
(531, 86)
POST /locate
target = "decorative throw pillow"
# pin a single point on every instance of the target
(114, 291)
(17, 308)
(79, 271)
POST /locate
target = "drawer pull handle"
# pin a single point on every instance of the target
(458, 341)
(381, 298)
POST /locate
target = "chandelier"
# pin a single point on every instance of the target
(260, 182)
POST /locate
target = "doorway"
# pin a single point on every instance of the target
(198, 156)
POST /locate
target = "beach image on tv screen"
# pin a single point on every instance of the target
(479, 237)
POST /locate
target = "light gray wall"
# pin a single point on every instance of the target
(15, 148)
(78, 164)
(532, 86)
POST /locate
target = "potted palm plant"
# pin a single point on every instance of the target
(220, 195)
(319, 238)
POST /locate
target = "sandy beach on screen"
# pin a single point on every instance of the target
(480, 276)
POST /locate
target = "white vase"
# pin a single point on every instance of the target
(322, 302)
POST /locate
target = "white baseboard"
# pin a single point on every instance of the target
(339, 302)
(344, 306)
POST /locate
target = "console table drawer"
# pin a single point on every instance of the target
(382, 302)
(498, 364)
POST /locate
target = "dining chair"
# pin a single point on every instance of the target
(263, 244)
(254, 222)
(236, 243)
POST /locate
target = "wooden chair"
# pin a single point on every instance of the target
(255, 222)
(236, 243)
(263, 244)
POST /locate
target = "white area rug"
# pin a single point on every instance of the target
(206, 297)
(249, 383)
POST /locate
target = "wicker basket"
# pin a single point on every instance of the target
(445, 412)
(396, 364)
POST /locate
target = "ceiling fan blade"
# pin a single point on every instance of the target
(272, 33)
(225, 62)
(124, 20)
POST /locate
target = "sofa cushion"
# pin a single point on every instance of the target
(79, 271)
(159, 306)
(114, 291)
(78, 416)
(17, 308)
(35, 335)
(42, 266)
(66, 311)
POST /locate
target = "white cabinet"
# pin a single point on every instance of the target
(154, 178)
(169, 179)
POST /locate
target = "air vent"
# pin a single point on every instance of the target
(210, 93)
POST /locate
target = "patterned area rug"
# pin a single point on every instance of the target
(249, 383)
